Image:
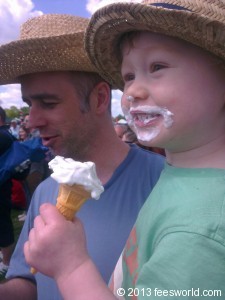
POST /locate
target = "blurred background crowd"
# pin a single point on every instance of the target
(17, 189)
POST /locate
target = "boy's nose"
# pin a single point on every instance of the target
(137, 92)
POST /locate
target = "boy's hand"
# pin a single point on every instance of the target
(56, 247)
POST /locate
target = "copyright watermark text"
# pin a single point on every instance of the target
(148, 292)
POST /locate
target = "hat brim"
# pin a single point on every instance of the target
(58, 53)
(108, 24)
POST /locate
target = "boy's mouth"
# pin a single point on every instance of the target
(144, 116)
(143, 119)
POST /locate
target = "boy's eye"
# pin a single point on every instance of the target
(128, 77)
(156, 67)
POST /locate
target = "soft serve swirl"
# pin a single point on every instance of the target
(69, 171)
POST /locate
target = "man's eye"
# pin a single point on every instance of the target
(49, 104)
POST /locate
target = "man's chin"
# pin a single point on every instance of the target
(62, 153)
(57, 152)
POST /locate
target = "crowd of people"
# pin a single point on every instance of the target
(16, 191)
(159, 226)
(20, 129)
(6, 225)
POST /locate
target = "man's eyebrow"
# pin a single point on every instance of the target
(41, 97)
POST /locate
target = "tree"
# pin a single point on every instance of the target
(24, 110)
(14, 112)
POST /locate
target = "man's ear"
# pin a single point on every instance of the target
(100, 97)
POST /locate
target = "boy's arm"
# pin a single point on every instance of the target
(57, 248)
(84, 283)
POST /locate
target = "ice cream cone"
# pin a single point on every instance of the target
(78, 182)
(70, 199)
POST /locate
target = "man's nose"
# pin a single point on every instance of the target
(37, 117)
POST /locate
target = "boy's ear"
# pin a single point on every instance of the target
(100, 97)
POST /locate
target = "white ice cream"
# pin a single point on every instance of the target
(69, 171)
(148, 133)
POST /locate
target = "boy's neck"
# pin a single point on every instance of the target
(207, 156)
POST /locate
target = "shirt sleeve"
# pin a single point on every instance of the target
(184, 266)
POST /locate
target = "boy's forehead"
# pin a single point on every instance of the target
(152, 41)
(139, 36)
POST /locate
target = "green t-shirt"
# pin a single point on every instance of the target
(176, 249)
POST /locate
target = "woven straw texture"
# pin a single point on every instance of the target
(51, 42)
(200, 22)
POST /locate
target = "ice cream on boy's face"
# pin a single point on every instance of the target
(143, 120)
(78, 182)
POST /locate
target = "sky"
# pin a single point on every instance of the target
(15, 12)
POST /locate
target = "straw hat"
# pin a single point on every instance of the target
(51, 42)
(200, 22)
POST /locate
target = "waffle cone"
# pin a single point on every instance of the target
(70, 199)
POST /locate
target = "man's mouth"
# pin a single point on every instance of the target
(48, 141)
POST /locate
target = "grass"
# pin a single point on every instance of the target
(17, 229)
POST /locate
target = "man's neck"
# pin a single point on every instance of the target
(108, 156)
(106, 172)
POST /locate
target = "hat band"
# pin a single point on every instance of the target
(169, 6)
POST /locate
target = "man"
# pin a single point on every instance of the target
(70, 106)
(26, 121)
(120, 129)
(14, 128)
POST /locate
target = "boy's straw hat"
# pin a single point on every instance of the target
(200, 22)
(51, 42)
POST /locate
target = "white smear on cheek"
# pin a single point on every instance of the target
(127, 115)
(150, 132)
(168, 120)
